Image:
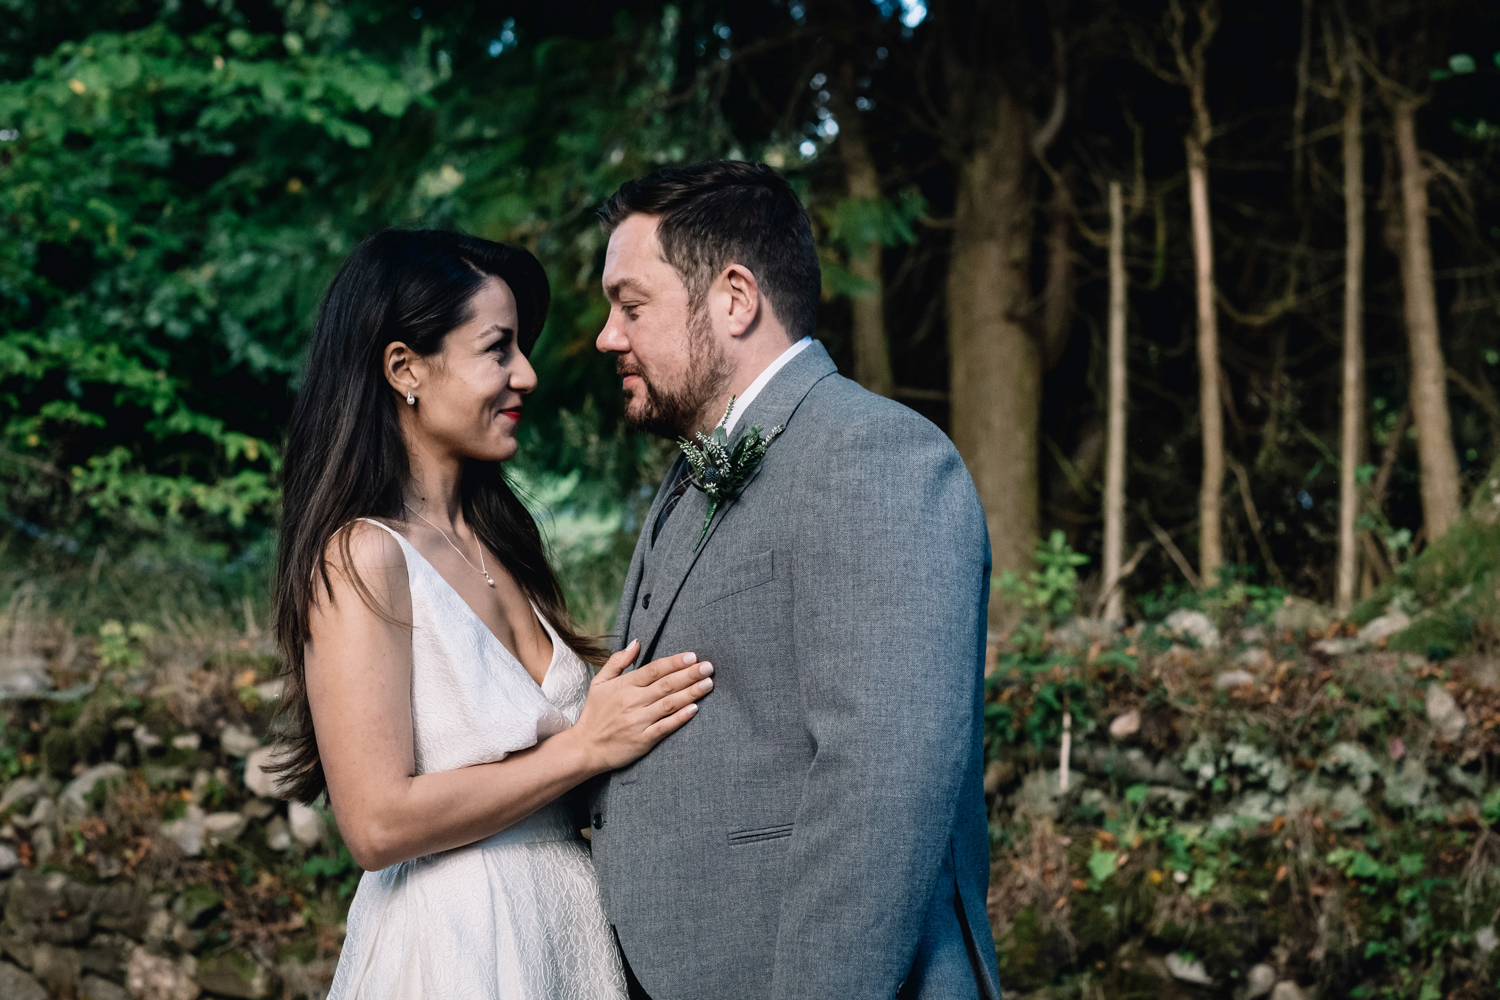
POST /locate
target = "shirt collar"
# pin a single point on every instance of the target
(743, 401)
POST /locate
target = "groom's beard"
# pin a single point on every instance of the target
(672, 410)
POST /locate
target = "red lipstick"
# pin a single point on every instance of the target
(514, 414)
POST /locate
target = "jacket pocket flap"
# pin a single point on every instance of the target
(741, 576)
(779, 832)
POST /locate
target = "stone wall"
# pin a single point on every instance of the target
(145, 854)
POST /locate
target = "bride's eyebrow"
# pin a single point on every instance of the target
(506, 334)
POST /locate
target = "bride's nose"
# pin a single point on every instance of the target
(522, 376)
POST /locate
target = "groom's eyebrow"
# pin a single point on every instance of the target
(616, 288)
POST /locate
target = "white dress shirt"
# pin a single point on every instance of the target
(743, 401)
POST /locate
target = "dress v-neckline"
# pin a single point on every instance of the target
(551, 635)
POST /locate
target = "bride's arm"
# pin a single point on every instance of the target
(358, 666)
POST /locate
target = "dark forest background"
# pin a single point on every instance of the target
(179, 179)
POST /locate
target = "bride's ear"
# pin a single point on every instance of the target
(403, 370)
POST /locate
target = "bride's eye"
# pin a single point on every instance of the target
(501, 347)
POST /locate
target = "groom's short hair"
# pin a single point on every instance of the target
(730, 212)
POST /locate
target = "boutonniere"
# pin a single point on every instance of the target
(721, 470)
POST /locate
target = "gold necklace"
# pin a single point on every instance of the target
(480, 570)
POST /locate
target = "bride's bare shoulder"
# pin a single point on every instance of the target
(365, 558)
(364, 545)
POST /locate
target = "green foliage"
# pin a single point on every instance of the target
(176, 197)
(1491, 806)
(1102, 864)
(1233, 599)
(119, 646)
(161, 257)
(1449, 588)
(855, 223)
(338, 866)
(852, 225)
(1052, 587)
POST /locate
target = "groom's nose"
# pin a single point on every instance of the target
(612, 339)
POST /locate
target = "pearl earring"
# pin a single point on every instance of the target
(411, 400)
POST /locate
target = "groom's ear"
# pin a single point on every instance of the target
(739, 299)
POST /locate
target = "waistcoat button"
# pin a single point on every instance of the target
(598, 821)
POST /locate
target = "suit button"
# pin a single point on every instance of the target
(598, 821)
(646, 602)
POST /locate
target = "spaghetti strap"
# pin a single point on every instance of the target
(381, 524)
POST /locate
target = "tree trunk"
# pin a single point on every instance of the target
(1429, 389)
(1352, 445)
(1114, 469)
(872, 354)
(1057, 292)
(1211, 412)
(995, 381)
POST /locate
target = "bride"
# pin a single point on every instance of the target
(437, 689)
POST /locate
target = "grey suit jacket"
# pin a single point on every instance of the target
(826, 804)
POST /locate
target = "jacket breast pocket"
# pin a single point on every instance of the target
(760, 835)
(747, 574)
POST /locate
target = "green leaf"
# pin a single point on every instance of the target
(1491, 806)
(1432, 982)
(1203, 881)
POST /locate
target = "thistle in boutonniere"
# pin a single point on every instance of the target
(721, 470)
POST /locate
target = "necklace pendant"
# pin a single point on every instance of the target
(488, 580)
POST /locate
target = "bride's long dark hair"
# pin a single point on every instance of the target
(346, 459)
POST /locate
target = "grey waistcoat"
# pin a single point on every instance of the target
(793, 838)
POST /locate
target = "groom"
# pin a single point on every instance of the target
(818, 831)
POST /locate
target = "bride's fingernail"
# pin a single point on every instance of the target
(706, 669)
(689, 657)
(691, 709)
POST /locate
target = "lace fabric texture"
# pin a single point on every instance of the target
(516, 916)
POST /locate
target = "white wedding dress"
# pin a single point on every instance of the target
(516, 916)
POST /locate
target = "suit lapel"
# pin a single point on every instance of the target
(678, 548)
(622, 633)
